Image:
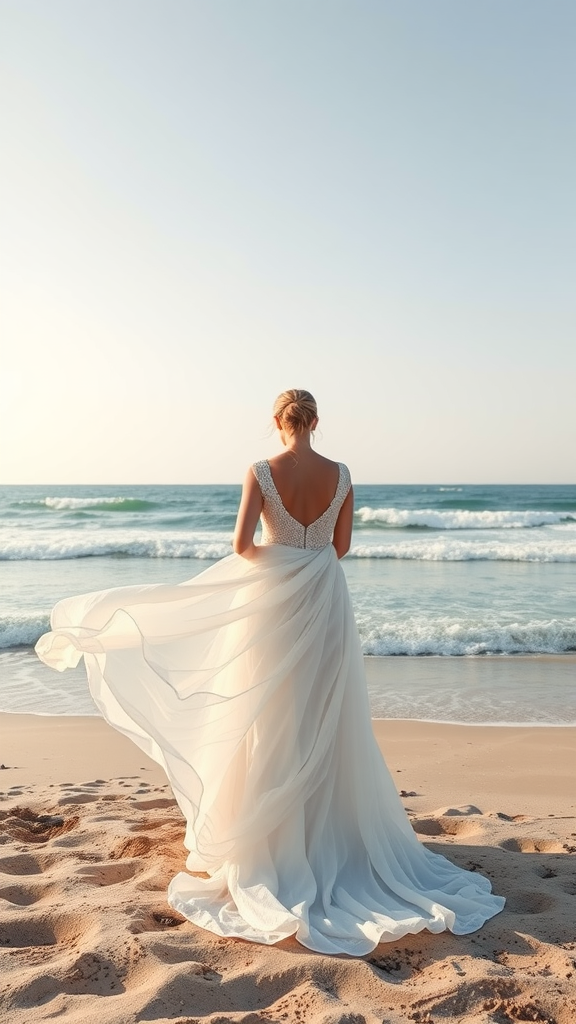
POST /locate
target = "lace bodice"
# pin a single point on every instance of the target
(279, 527)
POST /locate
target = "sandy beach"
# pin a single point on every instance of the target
(90, 836)
(208, 204)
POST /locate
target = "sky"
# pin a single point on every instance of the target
(204, 202)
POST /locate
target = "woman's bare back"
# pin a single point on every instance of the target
(306, 483)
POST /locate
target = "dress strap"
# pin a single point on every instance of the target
(344, 484)
(263, 475)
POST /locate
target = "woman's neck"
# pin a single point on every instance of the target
(297, 442)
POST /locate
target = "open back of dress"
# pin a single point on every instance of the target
(246, 683)
(279, 527)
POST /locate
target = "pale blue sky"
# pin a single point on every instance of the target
(207, 201)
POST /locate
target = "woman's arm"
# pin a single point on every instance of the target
(247, 518)
(343, 529)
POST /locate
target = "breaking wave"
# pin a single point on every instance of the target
(444, 635)
(98, 504)
(22, 629)
(53, 545)
(460, 519)
(452, 549)
(422, 635)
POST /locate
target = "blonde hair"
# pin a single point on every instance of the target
(296, 409)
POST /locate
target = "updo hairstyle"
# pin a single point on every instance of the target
(296, 410)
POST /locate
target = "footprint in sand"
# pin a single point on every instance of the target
(21, 895)
(21, 864)
(78, 798)
(445, 826)
(107, 874)
(527, 845)
(529, 902)
(21, 932)
(154, 921)
(138, 846)
(152, 805)
(28, 826)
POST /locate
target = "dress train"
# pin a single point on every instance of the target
(246, 683)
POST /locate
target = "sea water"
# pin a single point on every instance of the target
(442, 571)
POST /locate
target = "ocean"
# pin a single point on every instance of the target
(464, 573)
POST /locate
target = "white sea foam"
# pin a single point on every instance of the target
(22, 629)
(43, 545)
(444, 635)
(452, 549)
(80, 502)
(461, 519)
(104, 503)
(412, 635)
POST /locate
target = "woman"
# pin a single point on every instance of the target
(247, 685)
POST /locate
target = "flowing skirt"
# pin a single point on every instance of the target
(246, 683)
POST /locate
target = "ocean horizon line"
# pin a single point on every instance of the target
(357, 483)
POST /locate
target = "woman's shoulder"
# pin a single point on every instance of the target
(332, 462)
(282, 459)
(340, 466)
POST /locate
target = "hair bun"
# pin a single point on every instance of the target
(296, 409)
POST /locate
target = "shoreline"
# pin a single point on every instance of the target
(483, 656)
(374, 718)
(502, 691)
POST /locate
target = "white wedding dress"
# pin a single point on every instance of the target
(246, 683)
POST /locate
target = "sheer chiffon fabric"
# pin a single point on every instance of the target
(247, 685)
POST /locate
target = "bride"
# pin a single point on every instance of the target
(246, 683)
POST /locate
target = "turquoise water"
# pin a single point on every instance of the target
(444, 570)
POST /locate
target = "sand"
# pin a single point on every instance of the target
(90, 836)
